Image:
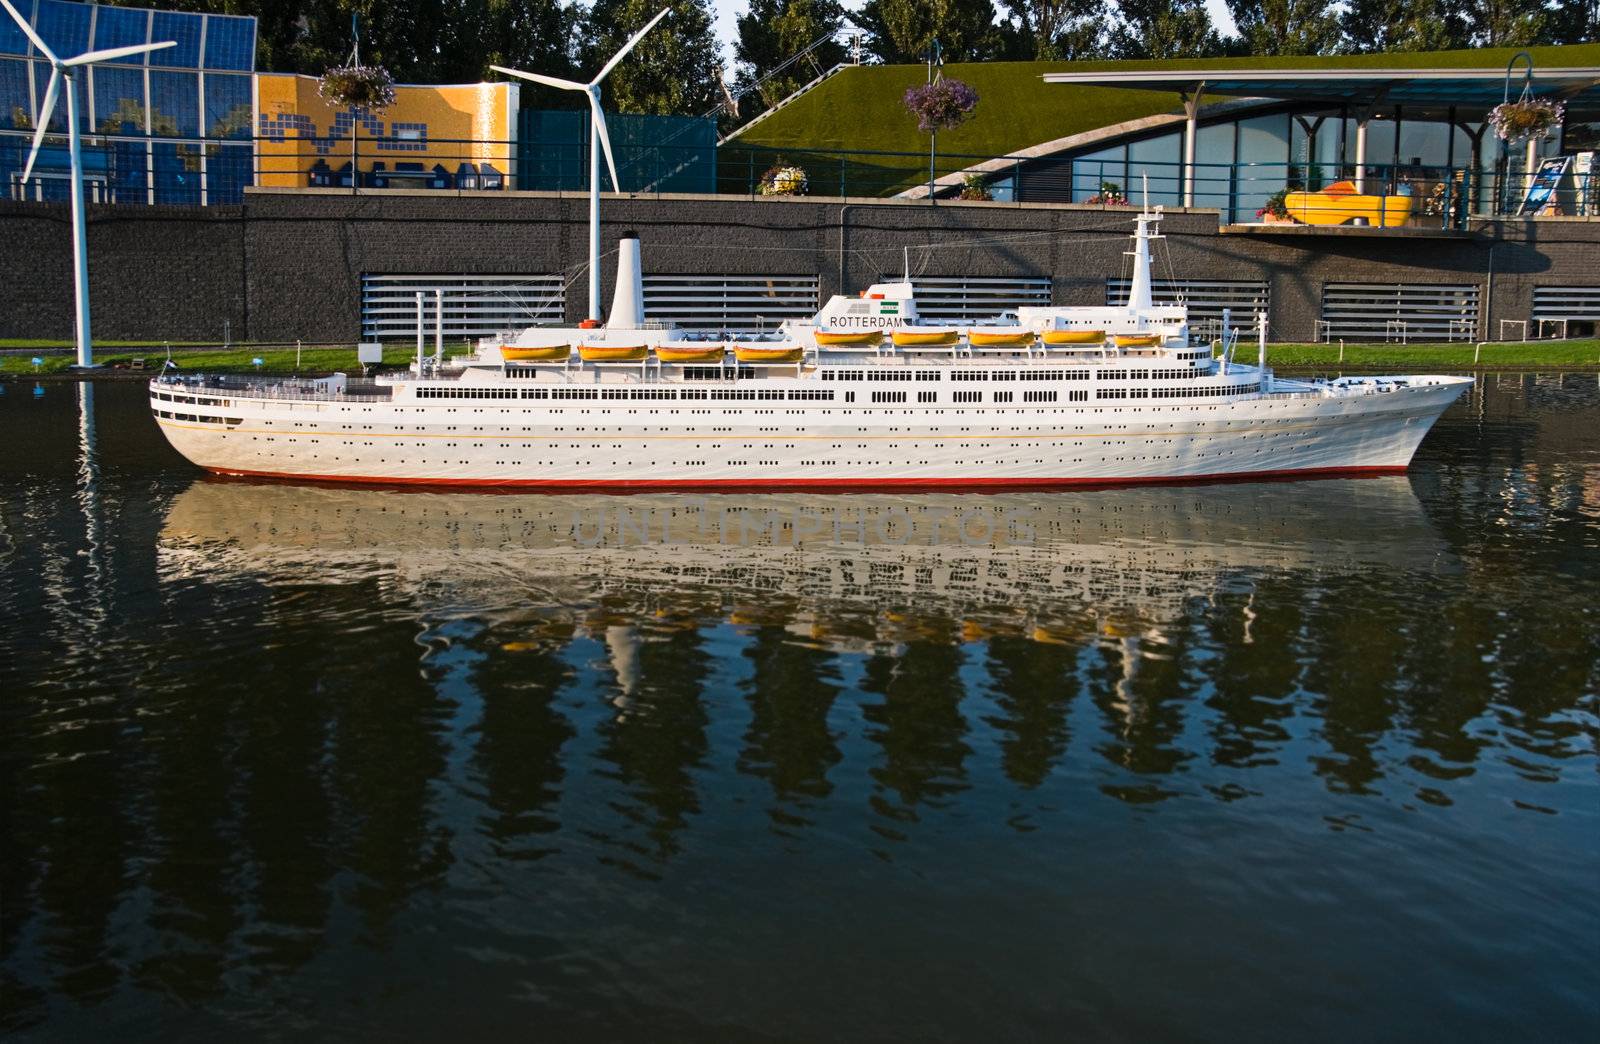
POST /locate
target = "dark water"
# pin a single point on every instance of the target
(1292, 761)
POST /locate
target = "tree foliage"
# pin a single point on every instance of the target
(1164, 29)
(772, 32)
(1058, 30)
(899, 31)
(675, 70)
(1297, 27)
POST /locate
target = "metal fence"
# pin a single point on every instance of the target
(124, 169)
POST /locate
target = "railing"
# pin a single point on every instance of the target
(270, 388)
(131, 169)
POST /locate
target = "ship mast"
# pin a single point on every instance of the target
(1139, 292)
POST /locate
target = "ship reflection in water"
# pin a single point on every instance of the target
(1245, 761)
(846, 571)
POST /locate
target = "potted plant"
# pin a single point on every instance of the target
(361, 89)
(1525, 118)
(1110, 195)
(783, 180)
(1276, 210)
(939, 104)
(974, 188)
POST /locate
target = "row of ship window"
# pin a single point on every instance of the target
(193, 400)
(197, 418)
(1014, 375)
(827, 395)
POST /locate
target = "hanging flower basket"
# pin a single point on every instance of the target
(941, 105)
(367, 87)
(1526, 118)
(784, 181)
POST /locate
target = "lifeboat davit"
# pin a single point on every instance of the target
(826, 338)
(612, 352)
(786, 353)
(689, 353)
(1137, 340)
(543, 353)
(999, 337)
(925, 337)
(1073, 336)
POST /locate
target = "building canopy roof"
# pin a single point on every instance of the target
(1476, 88)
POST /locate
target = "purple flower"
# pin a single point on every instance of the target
(941, 105)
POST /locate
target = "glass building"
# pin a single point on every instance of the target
(1385, 129)
(1243, 158)
(173, 126)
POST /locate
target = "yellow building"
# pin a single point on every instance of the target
(432, 137)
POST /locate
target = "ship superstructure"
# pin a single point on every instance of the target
(865, 394)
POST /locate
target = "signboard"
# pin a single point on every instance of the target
(1542, 186)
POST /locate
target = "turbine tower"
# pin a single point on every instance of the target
(597, 133)
(66, 70)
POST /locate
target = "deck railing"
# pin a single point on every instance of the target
(132, 169)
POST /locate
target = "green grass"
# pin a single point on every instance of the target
(860, 108)
(234, 360)
(1416, 357)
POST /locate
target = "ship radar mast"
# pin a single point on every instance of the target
(1139, 292)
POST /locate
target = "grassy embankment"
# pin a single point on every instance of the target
(238, 359)
(1412, 358)
(1415, 358)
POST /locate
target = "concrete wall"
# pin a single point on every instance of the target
(288, 265)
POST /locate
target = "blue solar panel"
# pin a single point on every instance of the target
(184, 29)
(121, 27)
(174, 104)
(14, 107)
(228, 106)
(65, 27)
(230, 43)
(118, 100)
(12, 39)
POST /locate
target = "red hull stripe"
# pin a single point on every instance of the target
(819, 485)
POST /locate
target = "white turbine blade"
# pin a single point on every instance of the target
(38, 41)
(113, 53)
(605, 138)
(46, 110)
(548, 81)
(635, 38)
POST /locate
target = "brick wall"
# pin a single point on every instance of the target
(289, 265)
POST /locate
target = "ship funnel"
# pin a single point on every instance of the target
(627, 301)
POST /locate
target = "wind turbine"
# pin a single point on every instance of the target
(597, 124)
(66, 70)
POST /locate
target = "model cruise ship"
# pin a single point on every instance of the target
(862, 395)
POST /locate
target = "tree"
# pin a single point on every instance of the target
(1164, 29)
(1058, 30)
(1401, 25)
(675, 70)
(1270, 27)
(773, 32)
(898, 31)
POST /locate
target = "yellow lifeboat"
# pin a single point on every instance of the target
(612, 352)
(925, 338)
(1137, 340)
(689, 353)
(827, 338)
(1073, 336)
(999, 337)
(786, 353)
(544, 353)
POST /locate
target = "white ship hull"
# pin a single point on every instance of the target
(783, 441)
